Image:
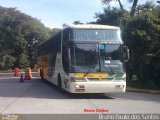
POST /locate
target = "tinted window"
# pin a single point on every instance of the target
(89, 34)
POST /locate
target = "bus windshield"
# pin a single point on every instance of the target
(93, 34)
(91, 58)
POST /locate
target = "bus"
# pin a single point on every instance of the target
(85, 58)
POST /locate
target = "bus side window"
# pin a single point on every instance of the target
(65, 47)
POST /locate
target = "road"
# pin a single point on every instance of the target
(35, 96)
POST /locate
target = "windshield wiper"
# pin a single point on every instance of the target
(88, 67)
(86, 72)
(90, 61)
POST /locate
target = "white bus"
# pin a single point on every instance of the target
(85, 58)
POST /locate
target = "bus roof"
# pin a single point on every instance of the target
(92, 26)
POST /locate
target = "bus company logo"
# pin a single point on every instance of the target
(95, 110)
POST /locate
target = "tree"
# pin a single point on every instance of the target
(23, 60)
(133, 8)
(108, 1)
(6, 61)
(77, 22)
(20, 35)
(112, 16)
(141, 34)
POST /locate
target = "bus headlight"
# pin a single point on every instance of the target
(80, 88)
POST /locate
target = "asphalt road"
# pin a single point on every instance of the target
(36, 97)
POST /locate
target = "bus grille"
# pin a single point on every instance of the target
(100, 79)
(94, 79)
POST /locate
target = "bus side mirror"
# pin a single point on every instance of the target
(126, 53)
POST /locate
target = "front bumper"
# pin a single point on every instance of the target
(97, 87)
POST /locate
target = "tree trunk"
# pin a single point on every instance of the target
(120, 4)
(133, 9)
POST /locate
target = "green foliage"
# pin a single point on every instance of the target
(6, 61)
(142, 37)
(112, 16)
(144, 85)
(77, 22)
(132, 10)
(23, 60)
(20, 35)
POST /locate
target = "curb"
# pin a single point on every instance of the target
(130, 89)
